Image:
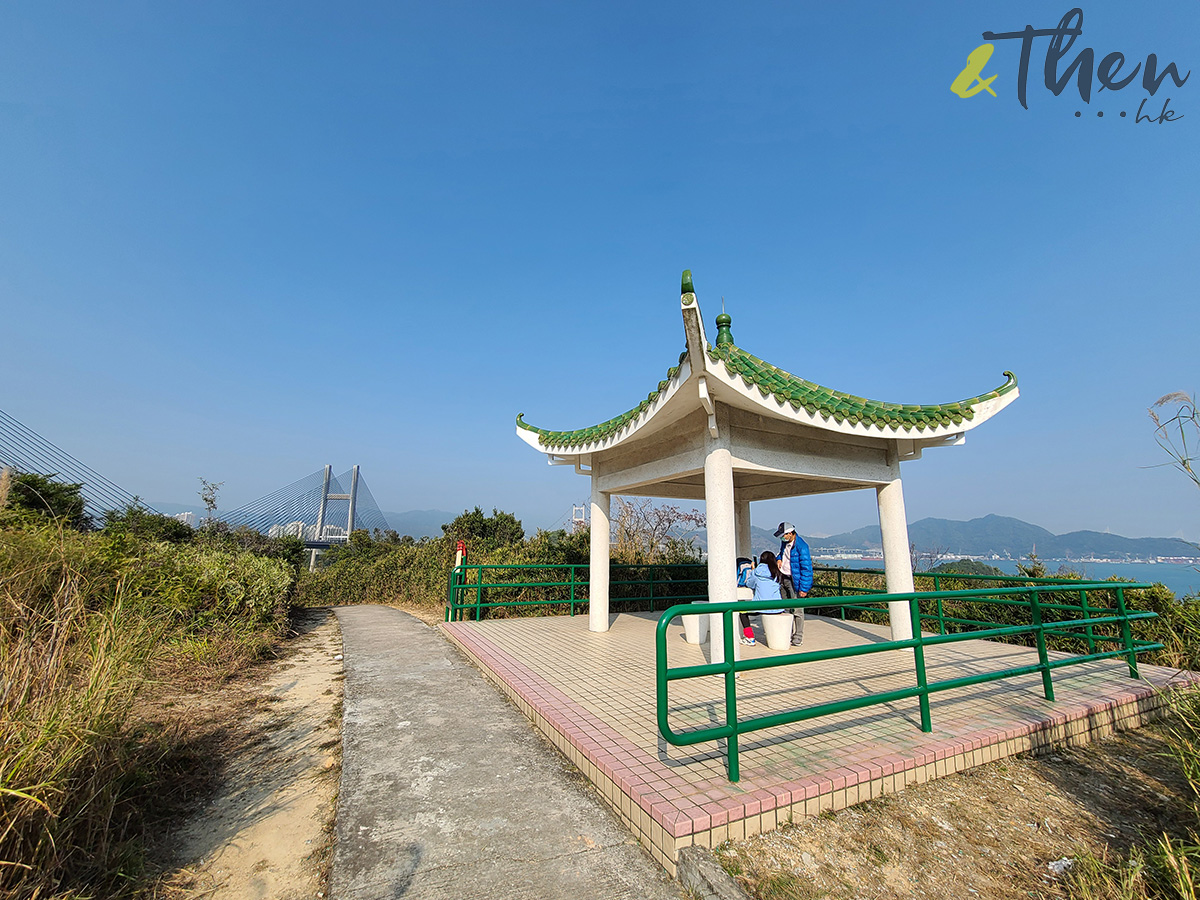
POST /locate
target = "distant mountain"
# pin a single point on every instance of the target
(764, 538)
(986, 536)
(420, 522)
(1007, 537)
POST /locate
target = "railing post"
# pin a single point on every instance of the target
(941, 611)
(478, 591)
(1036, 609)
(731, 716)
(1126, 633)
(459, 581)
(1087, 614)
(572, 590)
(450, 595)
(651, 568)
(914, 614)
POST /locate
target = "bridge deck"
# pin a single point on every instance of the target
(593, 695)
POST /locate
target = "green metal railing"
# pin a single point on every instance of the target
(471, 590)
(1086, 622)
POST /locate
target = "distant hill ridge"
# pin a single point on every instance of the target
(1001, 536)
(1007, 537)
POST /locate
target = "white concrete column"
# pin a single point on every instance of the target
(897, 563)
(598, 561)
(741, 524)
(722, 542)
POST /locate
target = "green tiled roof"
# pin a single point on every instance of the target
(604, 429)
(830, 404)
(796, 392)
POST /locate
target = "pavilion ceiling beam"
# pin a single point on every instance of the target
(780, 490)
(668, 491)
(866, 471)
(668, 468)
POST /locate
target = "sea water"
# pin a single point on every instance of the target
(1182, 580)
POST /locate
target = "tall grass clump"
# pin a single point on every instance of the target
(1167, 865)
(85, 618)
(71, 659)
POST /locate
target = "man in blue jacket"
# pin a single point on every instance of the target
(795, 573)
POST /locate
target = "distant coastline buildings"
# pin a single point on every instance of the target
(307, 532)
(298, 529)
(874, 555)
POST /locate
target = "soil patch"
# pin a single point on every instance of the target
(990, 832)
(262, 758)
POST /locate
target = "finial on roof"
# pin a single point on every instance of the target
(687, 293)
(724, 335)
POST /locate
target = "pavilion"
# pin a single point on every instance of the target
(728, 428)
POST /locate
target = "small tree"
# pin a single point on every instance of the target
(484, 533)
(645, 532)
(924, 560)
(208, 496)
(151, 526)
(42, 495)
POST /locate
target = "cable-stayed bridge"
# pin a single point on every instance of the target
(25, 450)
(321, 509)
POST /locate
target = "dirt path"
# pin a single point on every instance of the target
(266, 830)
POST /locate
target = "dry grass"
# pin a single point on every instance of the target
(68, 676)
(991, 832)
(81, 774)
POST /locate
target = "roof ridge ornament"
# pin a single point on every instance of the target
(724, 335)
(693, 323)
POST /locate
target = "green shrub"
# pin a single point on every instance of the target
(42, 496)
(197, 587)
(146, 525)
(403, 570)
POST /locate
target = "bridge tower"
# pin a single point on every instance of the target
(325, 498)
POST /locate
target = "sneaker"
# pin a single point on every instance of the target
(797, 642)
(749, 642)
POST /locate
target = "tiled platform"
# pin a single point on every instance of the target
(593, 695)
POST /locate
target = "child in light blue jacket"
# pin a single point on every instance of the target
(764, 581)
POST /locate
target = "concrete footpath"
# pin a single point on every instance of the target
(447, 792)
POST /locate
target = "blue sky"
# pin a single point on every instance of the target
(241, 240)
